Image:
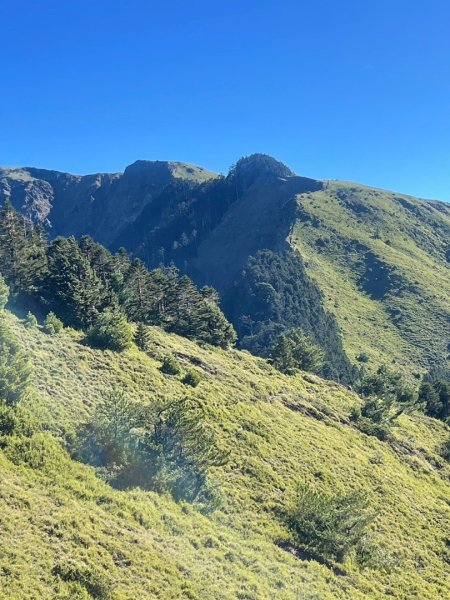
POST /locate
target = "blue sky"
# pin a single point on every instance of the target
(350, 89)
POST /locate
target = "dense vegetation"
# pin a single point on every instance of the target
(88, 288)
(272, 295)
(436, 398)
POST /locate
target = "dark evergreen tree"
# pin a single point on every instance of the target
(436, 399)
(15, 368)
(295, 350)
(141, 337)
(79, 281)
(22, 251)
(104, 264)
(71, 287)
(139, 294)
(4, 293)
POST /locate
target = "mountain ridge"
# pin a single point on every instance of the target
(380, 259)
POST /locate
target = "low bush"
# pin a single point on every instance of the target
(326, 526)
(170, 366)
(386, 395)
(30, 321)
(110, 331)
(52, 324)
(445, 450)
(192, 378)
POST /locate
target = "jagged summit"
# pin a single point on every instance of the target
(260, 165)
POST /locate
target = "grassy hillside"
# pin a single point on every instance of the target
(66, 534)
(382, 261)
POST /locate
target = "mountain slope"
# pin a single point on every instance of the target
(65, 534)
(382, 261)
(379, 260)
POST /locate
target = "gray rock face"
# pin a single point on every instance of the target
(100, 205)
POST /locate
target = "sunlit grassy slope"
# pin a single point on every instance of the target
(57, 517)
(382, 261)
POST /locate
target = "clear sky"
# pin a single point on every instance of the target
(337, 89)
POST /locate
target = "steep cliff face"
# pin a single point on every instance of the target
(100, 204)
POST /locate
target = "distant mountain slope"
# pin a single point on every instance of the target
(379, 260)
(65, 533)
(382, 261)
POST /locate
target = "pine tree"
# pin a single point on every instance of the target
(15, 368)
(141, 337)
(71, 288)
(282, 356)
(30, 321)
(138, 294)
(295, 350)
(102, 262)
(12, 245)
(4, 293)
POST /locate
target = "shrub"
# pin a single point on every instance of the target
(192, 378)
(363, 357)
(111, 331)
(39, 451)
(328, 526)
(106, 441)
(92, 582)
(52, 324)
(386, 395)
(165, 450)
(170, 366)
(14, 421)
(295, 350)
(30, 321)
(445, 450)
(389, 385)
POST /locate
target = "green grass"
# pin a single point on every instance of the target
(343, 222)
(280, 430)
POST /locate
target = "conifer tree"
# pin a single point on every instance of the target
(71, 288)
(4, 293)
(30, 321)
(295, 350)
(141, 337)
(137, 295)
(22, 251)
(15, 368)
